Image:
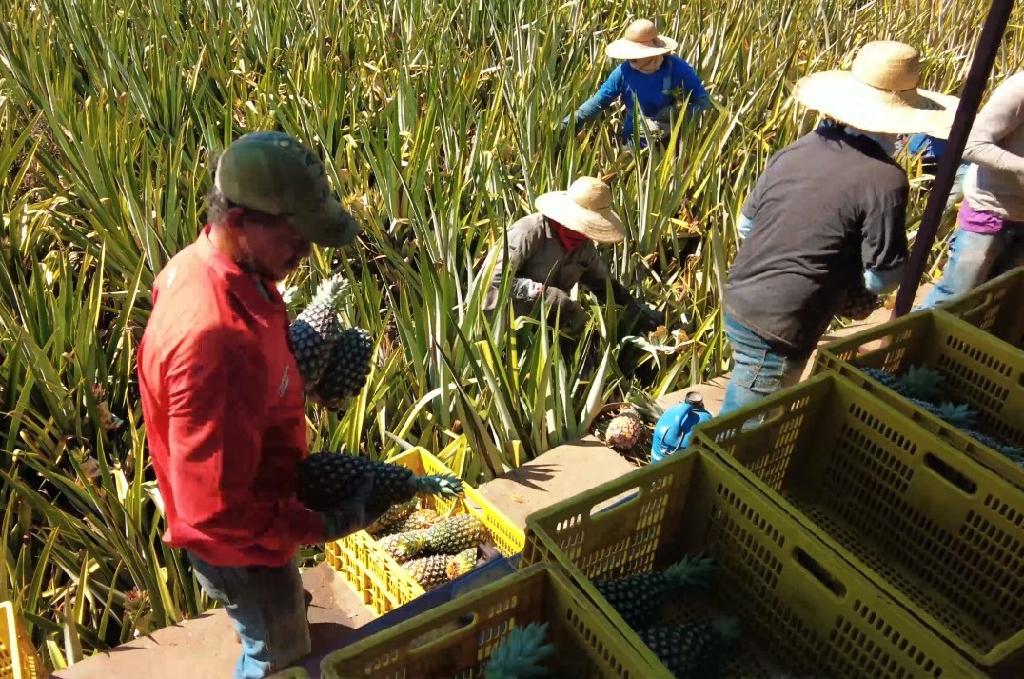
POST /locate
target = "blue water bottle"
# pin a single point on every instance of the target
(674, 428)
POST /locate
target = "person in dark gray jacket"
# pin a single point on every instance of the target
(555, 248)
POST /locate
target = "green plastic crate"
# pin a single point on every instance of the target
(983, 372)
(456, 639)
(997, 307)
(803, 611)
(943, 535)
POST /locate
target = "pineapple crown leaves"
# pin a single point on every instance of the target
(957, 415)
(444, 485)
(922, 382)
(521, 654)
(691, 571)
(461, 563)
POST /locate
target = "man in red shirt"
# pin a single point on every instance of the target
(224, 402)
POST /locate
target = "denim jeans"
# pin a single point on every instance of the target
(759, 370)
(268, 608)
(974, 258)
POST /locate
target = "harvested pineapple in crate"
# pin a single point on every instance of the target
(435, 538)
(994, 307)
(772, 602)
(532, 623)
(940, 534)
(951, 378)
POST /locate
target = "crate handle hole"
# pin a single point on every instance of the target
(428, 642)
(616, 503)
(820, 573)
(951, 475)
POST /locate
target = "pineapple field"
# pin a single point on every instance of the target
(439, 124)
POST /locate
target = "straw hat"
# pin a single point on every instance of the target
(879, 93)
(640, 41)
(586, 207)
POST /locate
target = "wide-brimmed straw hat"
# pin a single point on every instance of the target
(640, 41)
(586, 207)
(879, 93)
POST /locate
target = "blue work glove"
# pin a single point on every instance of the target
(444, 485)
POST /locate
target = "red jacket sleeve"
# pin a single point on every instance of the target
(217, 390)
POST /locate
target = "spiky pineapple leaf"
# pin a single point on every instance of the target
(521, 654)
(957, 415)
(922, 382)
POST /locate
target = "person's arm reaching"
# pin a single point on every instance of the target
(522, 244)
(217, 386)
(884, 244)
(608, 92)
(1003, 114)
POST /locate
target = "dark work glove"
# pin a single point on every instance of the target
(646, 318)
(573, 317)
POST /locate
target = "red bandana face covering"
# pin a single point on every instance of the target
(569, 239)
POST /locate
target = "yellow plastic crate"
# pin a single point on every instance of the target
(456, 639)
(18, 659)
(941, 534)
(997, 307)
(803, 611)
(383, 583)
(979, 370)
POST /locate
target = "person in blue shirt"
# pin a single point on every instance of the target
(930, 149)
(649, 78)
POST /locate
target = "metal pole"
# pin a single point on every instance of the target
(970, 101)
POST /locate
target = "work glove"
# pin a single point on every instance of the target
(351, 514)
(444, 485)
(858, 304)
(646, 318)
(572, 315)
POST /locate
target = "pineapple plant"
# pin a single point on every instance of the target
(696, 649)
(624, 430)
(521, 654)
(314, 331)
(325, 479)
(347, 367)
(638, 598)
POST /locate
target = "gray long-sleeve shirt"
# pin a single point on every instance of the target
(995, 180)
(537, 256)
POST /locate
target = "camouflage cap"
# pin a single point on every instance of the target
(273, 173)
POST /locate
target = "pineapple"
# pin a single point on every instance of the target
(521, 654)
(392, 518)
(314, 331)
(430, 571)
(347, 366)
(957, 415)
(638, 598)
(624, 430)
(462, 563)
(327, 479)
(697, 649)
(421, 518)
(409, 544)
(403, 546)
(455, 534)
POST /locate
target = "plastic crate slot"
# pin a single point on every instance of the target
(820, 573)
(950, 474)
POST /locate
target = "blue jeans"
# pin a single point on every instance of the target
(759, 369)
(975, 258)
(268, 608)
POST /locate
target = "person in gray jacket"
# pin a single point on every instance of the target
(989, 238)
(555, 248)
